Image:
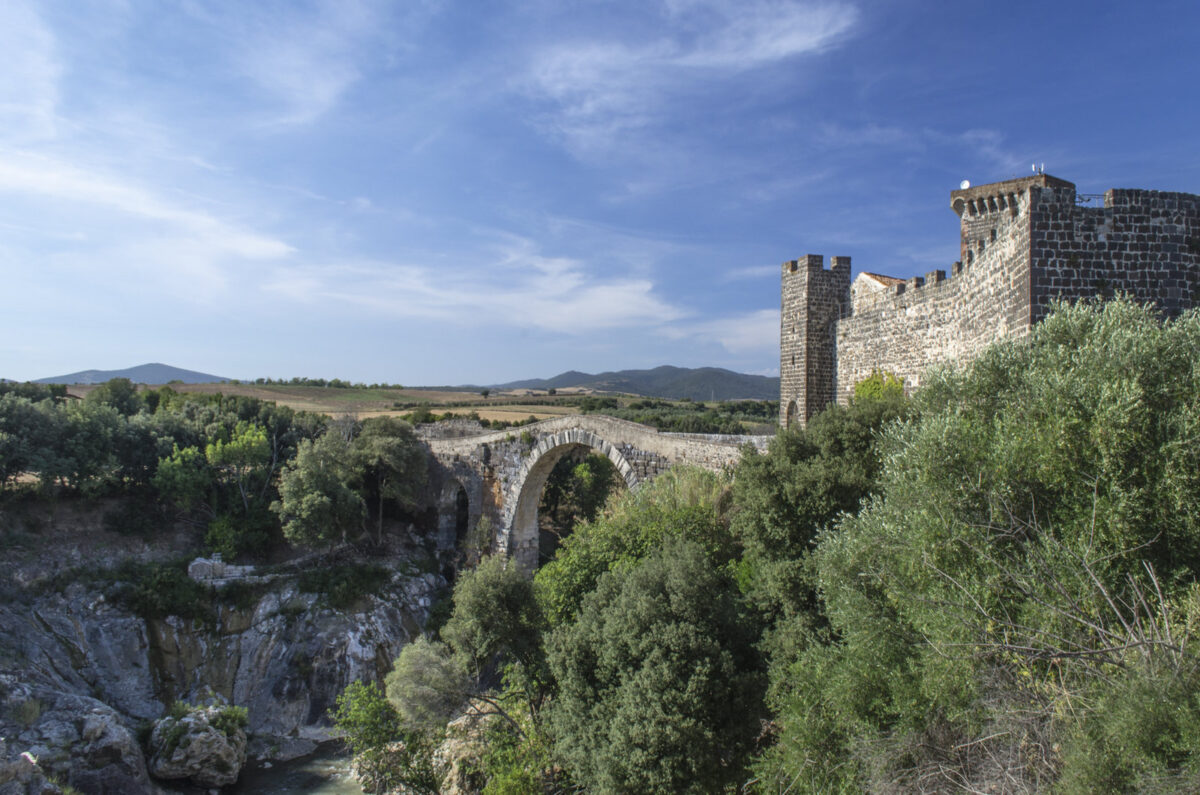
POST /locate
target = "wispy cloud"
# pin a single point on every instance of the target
(750, 273)
(602, 89)
(304, 58)
(518, 288)
(753, 332)
(741, 35)
(46, 177)
(29, 88)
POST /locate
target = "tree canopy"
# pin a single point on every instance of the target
(658, 681)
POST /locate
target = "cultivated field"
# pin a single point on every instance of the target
(375, 402)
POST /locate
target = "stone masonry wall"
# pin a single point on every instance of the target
(933, 319)
(503, 472)
(1023, 243)
(1141, 242)
(813, 300)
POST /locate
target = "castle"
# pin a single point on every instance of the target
(1025, 242)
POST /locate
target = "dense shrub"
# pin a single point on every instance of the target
(681, 503)
(658, 683)
(344, 586)
(158, 590)
(1034, 535)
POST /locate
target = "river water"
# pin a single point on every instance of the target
(326, 772)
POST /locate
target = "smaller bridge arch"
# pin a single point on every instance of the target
(525, 494)
(456, 484)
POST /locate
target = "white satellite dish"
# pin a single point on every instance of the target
(966, 183)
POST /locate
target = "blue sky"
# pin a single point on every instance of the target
(432, 192)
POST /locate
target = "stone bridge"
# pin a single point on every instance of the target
(500, 474)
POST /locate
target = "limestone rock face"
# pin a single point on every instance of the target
(21, 775)
(82, 741)
(78, 673)
(459, 757)
(197, 747)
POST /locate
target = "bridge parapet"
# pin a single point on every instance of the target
(704, 450)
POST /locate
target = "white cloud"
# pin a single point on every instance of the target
(752, 332)
(304, 59)
(29, 79)
(750, 273)
(602, 89)
(519, 288)
(50, 178)
(746, 34)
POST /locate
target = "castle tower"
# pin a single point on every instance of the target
(1025, 243)
(813, 301)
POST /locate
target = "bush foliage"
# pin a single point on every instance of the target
(1032, 542)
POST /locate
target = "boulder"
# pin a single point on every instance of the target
(74, 739)
(204, 744)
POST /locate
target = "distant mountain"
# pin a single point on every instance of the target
(142, 374)
(702, 383)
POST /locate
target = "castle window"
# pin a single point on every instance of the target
(993, 235)
(970, 256)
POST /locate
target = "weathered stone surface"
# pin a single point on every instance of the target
(1024, 243)
(77, 673)
(192, 747)
(76, 738)
(21, 775)
(459, 757)
(502, 473)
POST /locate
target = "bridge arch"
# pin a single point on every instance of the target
(525, 494)
(459, 505)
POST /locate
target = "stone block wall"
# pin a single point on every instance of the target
(503, 472)
(1024, 243)
(1141, 242)
(936, 318)
(813, 299)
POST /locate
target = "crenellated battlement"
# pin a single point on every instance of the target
(1024, 243)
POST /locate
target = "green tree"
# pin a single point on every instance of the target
(495, 615)
(807, 478)
(25, 430)
(659, 686)
(683, 502)
(387, 757)
(427, 685)
(83, 447)
(391, 462)
(575, 491)
(495, 626)
(243, 460)
(316, 502)
(119, 393)
(184, 477)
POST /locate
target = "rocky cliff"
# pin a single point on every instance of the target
(80, 674)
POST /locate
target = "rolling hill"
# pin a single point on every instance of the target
(701, 383)
(153, 373)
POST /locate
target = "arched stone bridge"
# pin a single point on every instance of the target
(500, 474)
